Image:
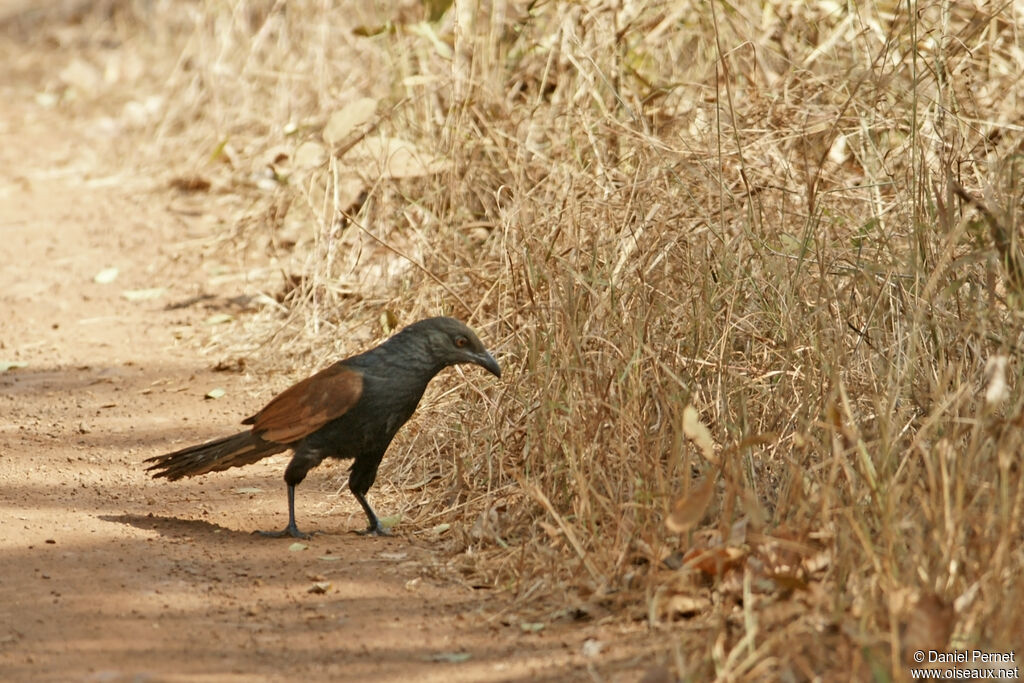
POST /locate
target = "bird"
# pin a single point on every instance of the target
(351, 409)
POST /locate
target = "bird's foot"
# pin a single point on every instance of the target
(290, 530)
(373, 530)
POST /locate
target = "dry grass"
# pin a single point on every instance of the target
(757, 209)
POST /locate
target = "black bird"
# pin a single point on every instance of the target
(351, 409)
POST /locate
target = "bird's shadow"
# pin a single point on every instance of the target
(174, 526)
(177, 527)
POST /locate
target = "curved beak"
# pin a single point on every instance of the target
(486, 361)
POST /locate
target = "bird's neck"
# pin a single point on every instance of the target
(404, 357)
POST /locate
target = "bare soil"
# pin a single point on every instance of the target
(107, 575)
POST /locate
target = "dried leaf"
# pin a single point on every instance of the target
(192, 183)
(310, 155)
(997, 391)
(81, 75)
(789, 581)
(143, 294)
(219, 319)
(424, 29)
(388, 320)
(351, 116)
(685, 606)
(714, 561)
(106, 276)
(697, 432)
(394, 158)
(688, 510)
(929, 623)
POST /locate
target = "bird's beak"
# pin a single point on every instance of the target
(486, 361)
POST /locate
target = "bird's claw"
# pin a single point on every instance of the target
(377, 530)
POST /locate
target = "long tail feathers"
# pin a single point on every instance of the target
(213, 456)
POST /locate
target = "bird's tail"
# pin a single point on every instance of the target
(213, 456)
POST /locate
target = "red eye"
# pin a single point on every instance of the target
(461, 342)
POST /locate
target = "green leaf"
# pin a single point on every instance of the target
(390, 521)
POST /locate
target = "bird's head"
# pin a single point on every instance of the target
(450, 342)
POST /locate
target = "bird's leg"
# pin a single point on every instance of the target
(291, 529)
(374, 528)
(359, 482)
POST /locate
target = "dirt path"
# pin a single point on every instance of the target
(106, 575)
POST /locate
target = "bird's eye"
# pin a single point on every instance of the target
(461, 342)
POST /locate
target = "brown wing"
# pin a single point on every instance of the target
(307, 406)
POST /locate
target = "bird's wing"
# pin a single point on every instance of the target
(307, 406)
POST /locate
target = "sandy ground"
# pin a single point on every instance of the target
(107, 575)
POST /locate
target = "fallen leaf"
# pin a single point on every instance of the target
(143, 294)
(389, 521)
(394, 158)
(789, 581)
(929, 623)
(310, 155)
(350, 117)
(320, 587)
(296, 547)
(688, 510)
(215, 393)
(388, 320)
(681, 606)
(531, 626)
(106, 276)
(193, 183)
(219, 319)
(80, 75)
(11, 365)
(248, 489)
(713, 561)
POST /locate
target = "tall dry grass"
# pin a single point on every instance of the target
(798, 218)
